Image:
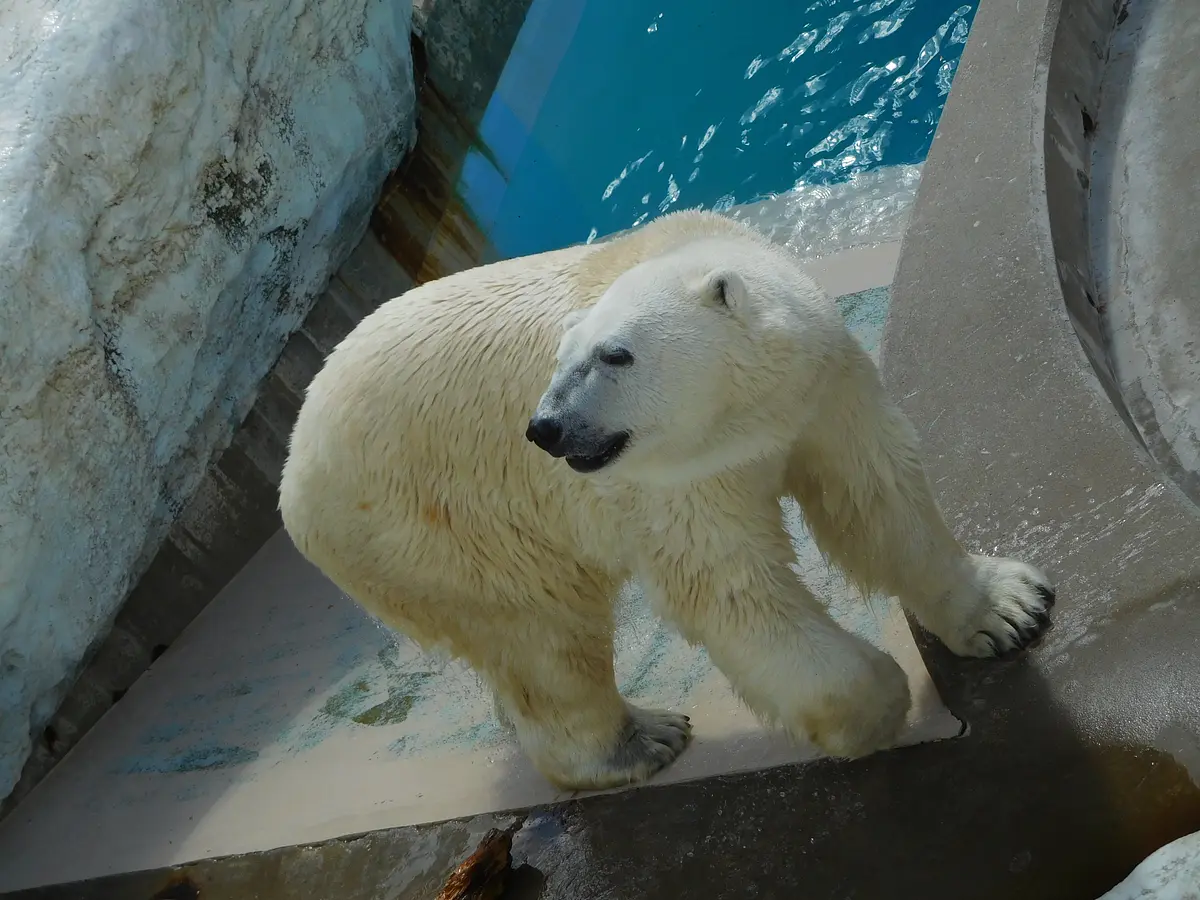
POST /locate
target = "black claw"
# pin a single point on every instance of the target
(991, 640)
(1020, 630)
(1047, 595)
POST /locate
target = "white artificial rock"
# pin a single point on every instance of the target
(1169, 873)
(178, 179)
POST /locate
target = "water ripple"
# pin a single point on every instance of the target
(840, 100)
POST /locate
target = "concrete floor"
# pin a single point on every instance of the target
(1082, 756)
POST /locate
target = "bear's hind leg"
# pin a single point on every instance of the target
(554, 686)
(869, 505)
(542, 644)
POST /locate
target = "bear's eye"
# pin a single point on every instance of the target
(616, 356)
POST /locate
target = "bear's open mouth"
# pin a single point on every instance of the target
(612, 449)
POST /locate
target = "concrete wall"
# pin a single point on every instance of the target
(1077, 63)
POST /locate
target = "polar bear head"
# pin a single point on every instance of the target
(688, 364)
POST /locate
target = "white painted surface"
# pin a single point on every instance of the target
(177, 180)
(1169, 873)
(855, 270)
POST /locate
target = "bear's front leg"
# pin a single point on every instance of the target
(869, 505)
(782, 653)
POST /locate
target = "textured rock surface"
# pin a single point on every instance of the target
(1170, 873)
(177, 182)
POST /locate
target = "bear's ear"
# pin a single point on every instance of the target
(573, 318)
(725, 288)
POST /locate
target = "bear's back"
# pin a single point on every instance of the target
(418, 417)
(409, 457)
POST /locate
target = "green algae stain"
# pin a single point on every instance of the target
(353, 703)
(342, 704)
(403, 693)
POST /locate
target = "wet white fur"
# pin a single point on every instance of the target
(411, 485)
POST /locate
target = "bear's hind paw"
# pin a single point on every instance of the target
(652, 739)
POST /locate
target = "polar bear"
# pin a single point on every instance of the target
(484, 460)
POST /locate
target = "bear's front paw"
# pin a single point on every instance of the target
(1009, 609)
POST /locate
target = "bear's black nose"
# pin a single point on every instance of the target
(547, 433)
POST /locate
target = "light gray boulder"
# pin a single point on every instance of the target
(1169, 873)
(177, 182)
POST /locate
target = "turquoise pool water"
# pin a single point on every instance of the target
(610, 112)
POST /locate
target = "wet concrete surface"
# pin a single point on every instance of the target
(1082, 755)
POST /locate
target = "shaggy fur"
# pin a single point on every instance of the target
(411, 484)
